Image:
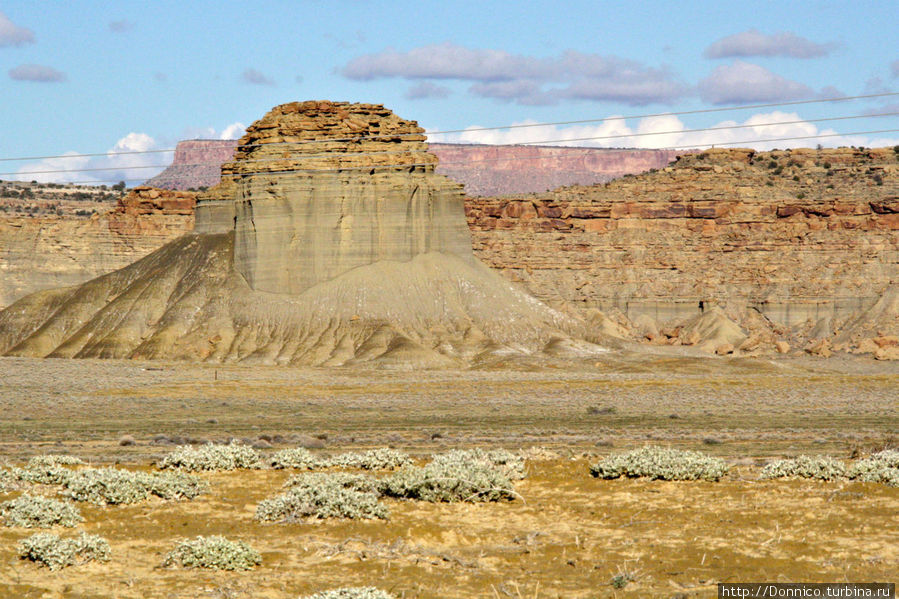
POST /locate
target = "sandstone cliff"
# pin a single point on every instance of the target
(484, 170)
(333, 256)
(56, 251)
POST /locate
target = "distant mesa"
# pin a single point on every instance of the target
(329, 241)
(484, 170)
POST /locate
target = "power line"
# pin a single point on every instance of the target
(333, 155)
(497, 128)
(521, 158)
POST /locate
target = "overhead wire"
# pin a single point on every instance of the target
(332, 155)
(496, 128)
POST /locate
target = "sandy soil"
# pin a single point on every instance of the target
(568, 537)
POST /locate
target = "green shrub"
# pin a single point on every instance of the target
(111, 486)
(215, 552)
(297, 458)
(375, 459)
(661, 463)
(822, 468)
(212, 457)
(882, 467)
(323, 495)
(455, 476)
(352, 593)
(54, 552)
(37, 511)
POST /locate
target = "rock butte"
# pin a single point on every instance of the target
(341, 251)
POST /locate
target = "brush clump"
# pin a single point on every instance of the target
(214, 553)
(661, 463)
(54, 552)
(450, 477)
(352, 593)
(37, 511)
(324, 495)
(816, 467)
(211, 457)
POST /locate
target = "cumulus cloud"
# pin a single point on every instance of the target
(744, 82)
(121, 26)
(255, 77)
(426, 89)
(13, 35)
(36, 72)
(110, 168)
(233, 131)
(524, 79)
(755, 43)
(668, 131)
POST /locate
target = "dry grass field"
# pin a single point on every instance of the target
(567, 535)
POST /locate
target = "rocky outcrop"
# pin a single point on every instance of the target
(398, 284)
(806, 239)
(56, 251)
(484, 170)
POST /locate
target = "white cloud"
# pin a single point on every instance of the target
(426, 89)
(13, 35)
(755, 43)
(524, 79)
(233, 131)
(255, 77)
(36, 72)
(668, 131)
(744, 82)
(113, 167)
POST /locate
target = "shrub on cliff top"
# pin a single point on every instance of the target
(54, 552)
(820, 467)
(215, 552)
(37, 511)
(661, 463)
(212, 457)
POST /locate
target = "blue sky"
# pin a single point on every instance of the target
(86, 77)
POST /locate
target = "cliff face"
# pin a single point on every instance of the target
(799, 236)
(483, 170)
(53, 251)
(340, 252)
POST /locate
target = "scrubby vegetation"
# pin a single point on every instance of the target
(112, 486)
(53, 460)
(820, 467)
(661, 463)
(55, 553)
(375, 459)
(324, 495)
(37, 511)
(352, 593)
(454, 476)
(511, 464)
(297, 458)
(212, 457)
(43, 474)
(215, 552)
(882, 467)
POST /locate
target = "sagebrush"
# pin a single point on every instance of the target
(817, 467)
(55, 553)
(450, 477)
(37, 511)
(324, 495)
(214, 552)
(352, 593)
(661, 463)
(113, 486)
(208, 457)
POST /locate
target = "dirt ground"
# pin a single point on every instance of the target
(568, 536)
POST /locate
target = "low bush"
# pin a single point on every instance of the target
(212, 457)
(215, 552)
(43, 474)
(661, 463)
(820, 467)
(55, 553)
(53, 460)
(8, 481)
(104, 486)
(297, 458)
(882, 467)
(37, 511)
(375, 459)
(352, 593)
(510, 464)
(323, 495)
(450, 477)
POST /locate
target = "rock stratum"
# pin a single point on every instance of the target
(484, 170)
(330, 241)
